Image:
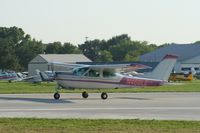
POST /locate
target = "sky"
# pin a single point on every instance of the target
(155, 21)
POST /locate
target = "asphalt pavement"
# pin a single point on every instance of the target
(161, 106)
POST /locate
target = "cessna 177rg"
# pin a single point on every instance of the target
(107, 76)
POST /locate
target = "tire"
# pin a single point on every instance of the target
(56, 96)
(104, 95)
(85, 94)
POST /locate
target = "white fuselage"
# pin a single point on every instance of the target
(119, 81)
(106, 76)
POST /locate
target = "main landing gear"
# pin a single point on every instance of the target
(56, 96)
(104, 95)
(85, 95)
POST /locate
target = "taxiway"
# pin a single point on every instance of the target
(165, 106)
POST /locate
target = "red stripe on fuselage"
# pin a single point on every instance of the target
(7, 77)
(140, 82)
(123, 81)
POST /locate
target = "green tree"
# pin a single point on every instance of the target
(119, 51)
(117, 39)
(27, 50)
(91, 49)
(69, 48)
(8, 59)
(14, 34)
(105, 56)
(132, 56)
(9, 38)
(17, 48)
(120, 47)
(53, 48)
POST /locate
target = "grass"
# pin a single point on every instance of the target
(25, 87)
(31, 125)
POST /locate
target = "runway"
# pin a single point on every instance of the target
(161, 106)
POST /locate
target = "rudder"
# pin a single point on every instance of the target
(163, 69)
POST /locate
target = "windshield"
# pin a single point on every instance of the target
(80, 71)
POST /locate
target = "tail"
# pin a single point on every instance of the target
(163, 69)
(45, 77)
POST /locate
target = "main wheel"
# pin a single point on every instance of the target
(85, 94)
(56, 96)
(104, 95)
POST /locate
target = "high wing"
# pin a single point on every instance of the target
(114, 67)
(132, 66)
(67, 66)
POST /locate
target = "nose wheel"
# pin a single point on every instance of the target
(56, 96)
(104, 95)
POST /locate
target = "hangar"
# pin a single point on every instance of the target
(42, 61)
(188, 56)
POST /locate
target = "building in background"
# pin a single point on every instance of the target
(42, 62)
(188, 56)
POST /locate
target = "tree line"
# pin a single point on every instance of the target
(17, 49)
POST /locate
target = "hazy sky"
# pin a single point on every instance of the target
(156, 21)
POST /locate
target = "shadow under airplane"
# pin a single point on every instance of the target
(39, 100)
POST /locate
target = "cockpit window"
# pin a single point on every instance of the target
(80, 71)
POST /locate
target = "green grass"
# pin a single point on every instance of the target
(24, 87)
(31, 125)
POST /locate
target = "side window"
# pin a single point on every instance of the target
(93, 73)
(185, 68)
(107, 74)
(80, 71)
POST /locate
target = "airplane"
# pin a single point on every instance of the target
(47, 76)
(107, 76)
(17, 76)
(10, 76)
(181, 77)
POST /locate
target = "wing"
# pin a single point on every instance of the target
(112, 67)
(122, 67)
(67, 66)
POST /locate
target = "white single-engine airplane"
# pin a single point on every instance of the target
(107, 76)
(10, 76)
(17, 76)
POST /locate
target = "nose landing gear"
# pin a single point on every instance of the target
(85, 94)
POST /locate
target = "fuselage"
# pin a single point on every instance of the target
(8, 76)
(70, 80)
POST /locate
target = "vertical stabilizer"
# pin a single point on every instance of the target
(163, 69)
(45, 77)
